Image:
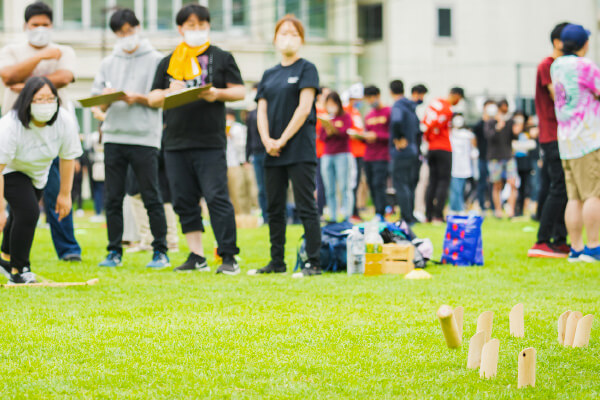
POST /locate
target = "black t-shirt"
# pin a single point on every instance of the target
(280, 86)
(200, 124)
(481, 139)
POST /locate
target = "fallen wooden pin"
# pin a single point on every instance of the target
(91, 282)
(451, 321)
(526, 371)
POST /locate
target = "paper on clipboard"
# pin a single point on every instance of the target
(326, 122)
(183, 97)
(101, 99)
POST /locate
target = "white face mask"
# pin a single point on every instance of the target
(458, 122)
(40, 36)
(491, 110)
(195, 38)
(128, 43)
(287, 44)
(43, 112)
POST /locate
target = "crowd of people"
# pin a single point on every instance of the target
(332, 147)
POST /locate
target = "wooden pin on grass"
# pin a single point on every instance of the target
(450, 325)
(526, 369)
(562, 326)
(485, 323)
(583, 331)
(517, 321)
(489, 359)
(475, 348)
(572, 321)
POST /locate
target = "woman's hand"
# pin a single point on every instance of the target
(272, 148)
(63, 206)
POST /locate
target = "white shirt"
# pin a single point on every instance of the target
(236, 145)
(461, 140)
(16, 53)
(32, 150)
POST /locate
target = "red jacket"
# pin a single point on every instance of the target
(437, 121)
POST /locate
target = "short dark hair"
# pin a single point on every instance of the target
(489, 101)
(556, 32)
(571, 47)
(23, 104)
(38, 8)
(397, 86)
(335, 97)
(503, 102)
(186, 11)
(420, 89)
(458, 90)
(372, 90)
(121, 17)
(230, 111)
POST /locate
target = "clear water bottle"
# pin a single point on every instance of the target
(374, 242)
(355, 252)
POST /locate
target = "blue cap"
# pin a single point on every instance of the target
(575, 33)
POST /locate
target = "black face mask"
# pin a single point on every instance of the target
(375, 104)
(419, 101)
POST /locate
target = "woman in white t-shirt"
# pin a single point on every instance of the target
(32, 134)
(462, 141)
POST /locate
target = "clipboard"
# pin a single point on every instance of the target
(326, 122)
(184, 97)
(101, 99)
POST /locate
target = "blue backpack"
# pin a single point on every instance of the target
(333, 247)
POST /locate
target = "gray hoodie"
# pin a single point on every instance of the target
(130, 124)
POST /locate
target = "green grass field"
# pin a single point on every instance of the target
(157, 334)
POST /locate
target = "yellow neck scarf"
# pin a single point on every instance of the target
(184, 61)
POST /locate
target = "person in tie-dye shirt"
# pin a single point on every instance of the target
(577, 91)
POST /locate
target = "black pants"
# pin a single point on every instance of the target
(23, 199)
(377, 173)
(524, 192)
(360, 166)
(198, 173)
(552, 218)
(302, 176)
(144, 163)
(403, 172)
(440, 173)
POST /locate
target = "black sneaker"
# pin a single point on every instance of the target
(308, 270)
(194, 262)
(270, 268)
(5, 268)
(24, 277)
(229, 266)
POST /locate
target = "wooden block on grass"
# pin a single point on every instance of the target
(583, 331)
(562, 326)
(489, 359)
(475, 348)
(572, 321)
(526, 368)
(485, 323)
(449, 326)
(517, 321)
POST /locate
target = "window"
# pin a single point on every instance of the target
(370, 22)
(77, 14)
(1, 14)
(72, 14)
(444, 22)
(226, 14)
(312, 13)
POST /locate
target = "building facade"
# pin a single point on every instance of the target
(491, 48)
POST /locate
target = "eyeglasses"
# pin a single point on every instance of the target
(44, 100)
